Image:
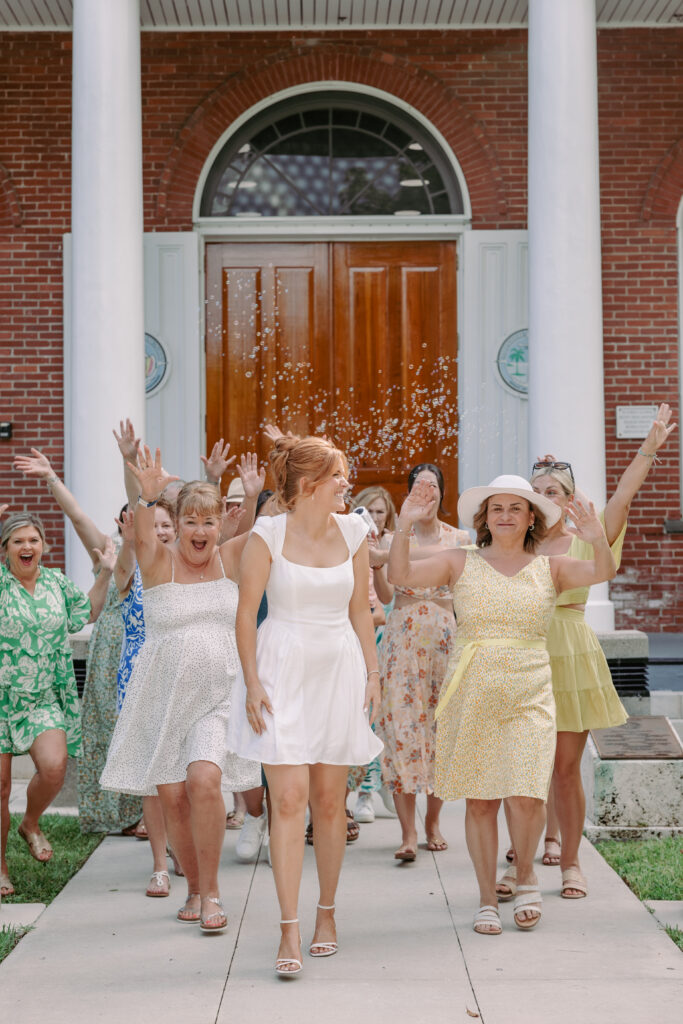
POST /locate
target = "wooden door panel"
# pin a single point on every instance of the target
(395, 360)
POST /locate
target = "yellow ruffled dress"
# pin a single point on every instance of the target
(585, 697)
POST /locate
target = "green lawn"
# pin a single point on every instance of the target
(652, 868)
(40, 883)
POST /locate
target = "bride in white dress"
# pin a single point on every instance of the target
(309, 686)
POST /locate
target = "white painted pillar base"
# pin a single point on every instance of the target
(566, 393)
(106, 356)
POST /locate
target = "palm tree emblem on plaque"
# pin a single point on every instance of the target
(513, 361)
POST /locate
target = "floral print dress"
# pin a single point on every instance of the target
(37, 682)
(413, 658)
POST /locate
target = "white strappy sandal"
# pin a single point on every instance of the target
(528, 898)
(487, 915)
(323, 948)
(281, 964)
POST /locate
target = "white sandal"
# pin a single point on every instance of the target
(509, 881)
(159, 878)
(530, 899)
(488, 915)
(325, 948)
(204, 926)
(283, 961)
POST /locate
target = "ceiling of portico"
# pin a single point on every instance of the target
(222, 15)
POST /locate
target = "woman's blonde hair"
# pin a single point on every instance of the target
(370, 494)
(294, 458)
(200, 499)
(562, 476)
(16, 521)
(532, 538)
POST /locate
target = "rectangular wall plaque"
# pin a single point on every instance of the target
(635, 420)
(642, 738)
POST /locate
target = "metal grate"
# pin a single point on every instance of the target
(629, 676)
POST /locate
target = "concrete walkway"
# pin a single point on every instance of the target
(408, 955)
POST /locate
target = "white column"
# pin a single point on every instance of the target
(566, 395)
(106, 357)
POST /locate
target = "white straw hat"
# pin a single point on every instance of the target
(471, 499)
(235, 490)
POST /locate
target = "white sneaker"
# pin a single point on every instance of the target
(388, 801)
(364, 811)
(250, 837)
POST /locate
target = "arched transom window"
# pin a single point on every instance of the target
(331, 154)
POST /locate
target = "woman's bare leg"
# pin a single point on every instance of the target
(527, 821)
(49, 755)
(570, 802)
(435, 840)
(5, 791)
(176, 808)
(288, 787)
(328, 801)
(481, 833)
(156, 830)
(207, 821)
(405, 808)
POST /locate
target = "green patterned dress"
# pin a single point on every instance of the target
(37, 683)
(101, 811)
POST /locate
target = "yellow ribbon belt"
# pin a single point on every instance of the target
(468, 653)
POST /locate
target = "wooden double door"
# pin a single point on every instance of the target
(354, 340)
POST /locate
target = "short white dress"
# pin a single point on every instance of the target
(309, 662)
(178, 698)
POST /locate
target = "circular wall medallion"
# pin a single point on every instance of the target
(513, 361)
(156, 364)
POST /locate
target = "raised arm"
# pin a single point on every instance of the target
(129, 445)
(125, 563)
(361, 620)
(152, 478)
(217, 461)
(254, 573)
(37, 466)
(569, 573)
(633, 477)
(436, 571)
(253, 481)
(105, 560)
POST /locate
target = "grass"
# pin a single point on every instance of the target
(652, 868)
(40, 883)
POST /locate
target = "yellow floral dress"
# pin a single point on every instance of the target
(496, 735)
(585, 696)
(413, 657)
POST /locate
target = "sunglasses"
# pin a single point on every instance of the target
(555, 465)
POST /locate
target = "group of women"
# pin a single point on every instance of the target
(485, 645)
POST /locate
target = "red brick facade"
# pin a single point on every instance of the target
(473, 88)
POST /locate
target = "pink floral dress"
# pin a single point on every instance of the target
(413, 657)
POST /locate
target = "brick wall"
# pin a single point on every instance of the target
(472, 85)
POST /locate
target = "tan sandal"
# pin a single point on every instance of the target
(506, 887)
(192, 917)
(37, 845)
(487, 921)
(234, 820)
(528, 898)
(573, 879)
(550, 858)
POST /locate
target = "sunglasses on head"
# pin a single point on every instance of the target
(555, 465)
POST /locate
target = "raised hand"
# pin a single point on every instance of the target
(232, 517)
(585, 519)
(107, 558)
(150, 474)
(3, 509)
(252, 478)
(378, 556)
(34, 465)
(128, 443)
(273, 432)
(127, 526)
(659, 431)
(420, 503)
(217, 461)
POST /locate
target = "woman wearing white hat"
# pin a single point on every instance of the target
(496, 714)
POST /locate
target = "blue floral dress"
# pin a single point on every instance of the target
(133, 635)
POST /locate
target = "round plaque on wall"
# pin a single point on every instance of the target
(156, 364)
(513, 361)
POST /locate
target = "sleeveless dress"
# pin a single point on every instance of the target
(99, 811)
(309, 662)
(177, 704)
(413, 658)
(496, 735)
(585, 696)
